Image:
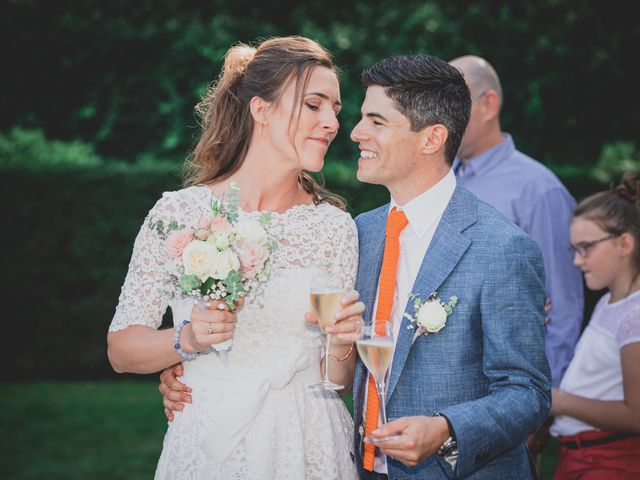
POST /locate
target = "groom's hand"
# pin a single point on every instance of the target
(174, 393)
(413, 439)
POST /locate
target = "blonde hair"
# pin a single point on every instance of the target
(225, 116)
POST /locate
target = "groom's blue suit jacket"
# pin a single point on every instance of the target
(486, 370)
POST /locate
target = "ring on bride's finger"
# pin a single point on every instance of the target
(221, 306)
(209, 330)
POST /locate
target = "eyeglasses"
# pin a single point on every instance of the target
(583, 247)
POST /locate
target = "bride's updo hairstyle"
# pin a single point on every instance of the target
(616, 211)
(225, 116)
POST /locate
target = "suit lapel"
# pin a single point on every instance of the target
(445, 251)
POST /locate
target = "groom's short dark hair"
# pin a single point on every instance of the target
(426, 90)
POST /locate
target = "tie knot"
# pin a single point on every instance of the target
(396, 222)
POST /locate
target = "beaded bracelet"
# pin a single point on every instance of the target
(343, 358)
(176, 343)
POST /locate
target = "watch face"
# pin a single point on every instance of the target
(449, 448)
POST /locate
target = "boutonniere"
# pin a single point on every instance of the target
(430, 314)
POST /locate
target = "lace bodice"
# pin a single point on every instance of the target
(321, 237)
(254, 419)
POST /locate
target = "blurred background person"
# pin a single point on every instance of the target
(529, 194)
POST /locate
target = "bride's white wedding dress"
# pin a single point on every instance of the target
(255, 419)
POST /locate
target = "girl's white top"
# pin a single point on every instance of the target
(595, 371)
(255, 419)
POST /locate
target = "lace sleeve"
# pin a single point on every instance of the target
(344, 237)
(629, 328)
(147, 289)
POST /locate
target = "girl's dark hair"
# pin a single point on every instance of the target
(616, 211)
(225, 117)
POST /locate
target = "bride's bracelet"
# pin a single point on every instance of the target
(343, 358)
(176, 343)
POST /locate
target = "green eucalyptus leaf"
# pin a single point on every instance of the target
(189, 282)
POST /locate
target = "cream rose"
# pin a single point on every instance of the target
(203, 260)
(251, 232)
(225, 261)
(220, 240)
(432, 316)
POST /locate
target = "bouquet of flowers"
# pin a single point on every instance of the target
(222, 257)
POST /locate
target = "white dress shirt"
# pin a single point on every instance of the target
(423, 213)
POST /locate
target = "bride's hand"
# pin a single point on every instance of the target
(349, 321)
(209, 326)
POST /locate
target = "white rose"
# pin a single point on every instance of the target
(252, 232)
(225, 261)
(203, 260)
(432, 316)
(220, 240)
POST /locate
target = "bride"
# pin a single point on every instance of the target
(270, 116)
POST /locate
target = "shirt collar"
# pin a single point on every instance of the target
(487, 160)
(427, 208)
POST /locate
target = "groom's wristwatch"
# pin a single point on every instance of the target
(449, 449)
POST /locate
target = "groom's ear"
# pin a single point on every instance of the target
(435, 137)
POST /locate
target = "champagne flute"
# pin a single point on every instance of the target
(376, 352)
(326, 293)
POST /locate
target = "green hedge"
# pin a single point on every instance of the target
(126, 75)
(67, 242)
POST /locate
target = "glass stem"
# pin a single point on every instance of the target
(381, 395)
(326, 359)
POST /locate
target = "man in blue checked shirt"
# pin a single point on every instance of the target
(530, 195)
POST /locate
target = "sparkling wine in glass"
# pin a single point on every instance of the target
(375, 348)
(326, 293)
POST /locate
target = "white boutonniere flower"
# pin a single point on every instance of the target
(430, 314)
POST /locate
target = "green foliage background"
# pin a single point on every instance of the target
(97, 115)
(70, 229)
(124, 76)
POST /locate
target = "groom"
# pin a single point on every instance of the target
(467, 383)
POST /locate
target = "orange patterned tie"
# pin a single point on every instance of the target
(386, 290)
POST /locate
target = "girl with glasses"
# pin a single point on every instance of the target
(597, 407)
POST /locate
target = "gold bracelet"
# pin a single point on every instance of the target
(343, 358)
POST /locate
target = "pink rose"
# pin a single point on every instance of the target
(252, 258)
(220, 224)
(203, 223)
(176, 241)
(201, 234)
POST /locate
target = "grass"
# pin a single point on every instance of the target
(81, 430)
(96, 430)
